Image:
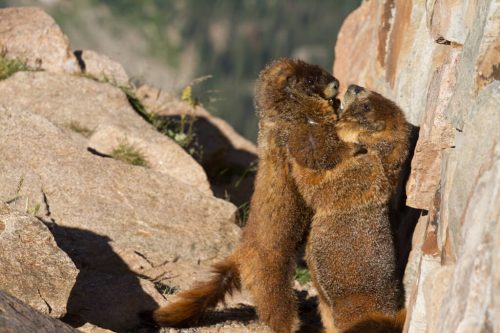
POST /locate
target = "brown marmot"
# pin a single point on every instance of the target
(264, 260)
(350, 250)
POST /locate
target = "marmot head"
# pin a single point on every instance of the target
(293, 90)
(369, 113)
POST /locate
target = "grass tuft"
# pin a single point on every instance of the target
(128, 153)
(302, 275)
(79, 128)
(10, 66)
(165, 289)
(243, 213)
(182, 131)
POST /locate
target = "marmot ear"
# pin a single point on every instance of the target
(291, 79)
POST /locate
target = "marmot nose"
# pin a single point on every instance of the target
(335, 84)
(331, 89)
(355, 89)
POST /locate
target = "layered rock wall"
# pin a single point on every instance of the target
(440, 61)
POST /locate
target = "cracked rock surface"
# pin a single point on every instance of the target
(17, 317)
(440, 60)
(32, 267)
(116, 221)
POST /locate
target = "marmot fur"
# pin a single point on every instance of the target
(264, 260)
(350, 250)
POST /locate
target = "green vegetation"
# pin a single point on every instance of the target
(165, 289)
(302, 275)
(18, 191)
(243, 213)
(80, 129)
(181, 131)
(128, 153)
(10, 66)
(34, 210)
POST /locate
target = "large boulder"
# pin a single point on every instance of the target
(439, 61)
(32, 266)
(82, 104)
(228, 159)
(32, 36)
(116, 221)
(17, 317)
(102, 68)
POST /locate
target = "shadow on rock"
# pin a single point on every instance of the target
(106, 293)
(404, 218)
(244, 314)
(231, 171)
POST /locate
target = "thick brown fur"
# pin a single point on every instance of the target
(380, 323)
(350, 250)
(264, 260)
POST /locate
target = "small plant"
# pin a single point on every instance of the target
(251, 169)
(34, 210)
(78, 128)
(10, 66)
(187, 93)
(165, 289)
(302, 275)
(128, 153)
(243, 213)
(182, 131)
(18, 191)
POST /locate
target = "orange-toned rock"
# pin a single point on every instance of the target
(439, 61)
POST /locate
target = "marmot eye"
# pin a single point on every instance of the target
(310, 81)
(366, 107)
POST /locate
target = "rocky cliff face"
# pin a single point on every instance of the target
(440, 61)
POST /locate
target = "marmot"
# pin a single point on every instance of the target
(350, 250)
(264, 260)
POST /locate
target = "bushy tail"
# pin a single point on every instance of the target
(191, 304)
(380, 323)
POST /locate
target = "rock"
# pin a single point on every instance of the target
(439, 61)
(228, 159)
(102, 68)
(32, 36)
(17, 317)
(89, 328)
(31, 264)
(81, 105)
(436, 134)
(172, 161)
(116, 221)
(471, 215)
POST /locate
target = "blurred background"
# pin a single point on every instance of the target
(171, 43)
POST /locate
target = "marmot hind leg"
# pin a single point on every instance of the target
(271, 285)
